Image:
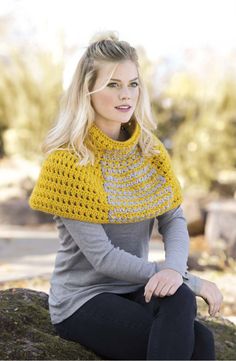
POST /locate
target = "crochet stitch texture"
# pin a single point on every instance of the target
(121, 187)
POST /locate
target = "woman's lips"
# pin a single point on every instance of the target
(124, 110)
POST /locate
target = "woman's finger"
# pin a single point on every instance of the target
(153, 284)
(164, 290)
(217, 299)
(155, 288)
(149, 289)
(217, 303)
(160, 289)
(173, 289)
(211, 304)
(161, 283)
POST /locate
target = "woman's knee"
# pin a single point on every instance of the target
(182, 299)
(186, 297)
(185, 293)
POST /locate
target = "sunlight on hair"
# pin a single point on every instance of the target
(101, 88)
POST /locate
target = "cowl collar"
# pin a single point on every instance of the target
(101, 141)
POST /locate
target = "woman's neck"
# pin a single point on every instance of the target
(124, 135)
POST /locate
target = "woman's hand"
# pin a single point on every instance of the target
(211, 295)
(163, 283)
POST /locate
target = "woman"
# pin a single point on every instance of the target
(105, 180)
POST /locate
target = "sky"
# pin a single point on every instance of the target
(162, 27)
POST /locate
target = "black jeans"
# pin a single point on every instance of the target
(125, 327)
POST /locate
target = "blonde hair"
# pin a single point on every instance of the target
(76, 114)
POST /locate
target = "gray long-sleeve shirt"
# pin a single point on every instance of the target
(95, 258)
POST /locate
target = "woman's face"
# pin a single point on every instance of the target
(122, 89)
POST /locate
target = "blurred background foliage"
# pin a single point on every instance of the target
(197, 119)
(30, 88)
(196, 114)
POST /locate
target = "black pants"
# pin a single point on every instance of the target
(125, 327)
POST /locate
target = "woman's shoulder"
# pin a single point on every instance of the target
(59, 154)
(61, 159)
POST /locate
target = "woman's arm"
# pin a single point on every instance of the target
(115, 262)
(207, 290)
(105, 257)
(172, 226)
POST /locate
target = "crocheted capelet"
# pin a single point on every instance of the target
(121, 187)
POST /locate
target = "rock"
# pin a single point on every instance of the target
(220, 231)
(225, 337)
(27, 332)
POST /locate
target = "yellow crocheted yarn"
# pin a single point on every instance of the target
(122, 186)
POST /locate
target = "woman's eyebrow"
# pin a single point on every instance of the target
(120, 80)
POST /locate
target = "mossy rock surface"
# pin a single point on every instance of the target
(27, 333)
(225, 337)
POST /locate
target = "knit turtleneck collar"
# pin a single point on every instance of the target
(103, 142)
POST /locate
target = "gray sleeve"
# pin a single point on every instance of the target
(193, 282)
(172, 226)
(105, 257)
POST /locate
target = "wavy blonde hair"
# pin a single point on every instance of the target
(76, 114)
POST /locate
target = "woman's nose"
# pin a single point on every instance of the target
(124, 94)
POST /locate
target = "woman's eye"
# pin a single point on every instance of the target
(135, 83)
(112, 85)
